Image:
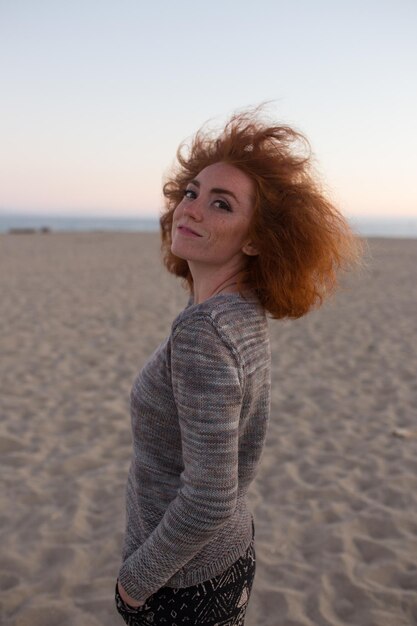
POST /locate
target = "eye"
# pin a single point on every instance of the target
(222, 204)
(189, 193)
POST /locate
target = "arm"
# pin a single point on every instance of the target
(208, 394)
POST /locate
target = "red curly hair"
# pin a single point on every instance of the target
(303, 240)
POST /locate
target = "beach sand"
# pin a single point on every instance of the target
(335, 498)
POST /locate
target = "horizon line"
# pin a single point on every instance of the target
(147, 216)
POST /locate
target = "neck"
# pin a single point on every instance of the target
(213, 285)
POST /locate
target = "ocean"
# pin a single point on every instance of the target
(59, 223)
(367, 227)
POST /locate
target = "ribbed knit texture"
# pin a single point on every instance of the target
(199, 409)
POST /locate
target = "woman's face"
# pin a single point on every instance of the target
(211, 223)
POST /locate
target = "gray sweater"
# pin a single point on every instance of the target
(199, 409)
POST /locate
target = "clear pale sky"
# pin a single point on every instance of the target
(97, 95)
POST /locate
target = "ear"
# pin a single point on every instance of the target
(250, 249)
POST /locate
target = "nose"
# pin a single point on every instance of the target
(193, 209)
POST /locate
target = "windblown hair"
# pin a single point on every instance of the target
(303, 240)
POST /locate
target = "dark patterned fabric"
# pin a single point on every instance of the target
(220, 601)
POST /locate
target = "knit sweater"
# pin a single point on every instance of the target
(199, 410)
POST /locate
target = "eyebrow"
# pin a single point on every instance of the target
(215, 189)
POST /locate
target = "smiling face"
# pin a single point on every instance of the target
(211, 223)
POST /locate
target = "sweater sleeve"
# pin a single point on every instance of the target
(207, 387)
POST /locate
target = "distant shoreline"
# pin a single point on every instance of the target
(366, 227)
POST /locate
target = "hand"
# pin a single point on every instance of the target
(126, 598)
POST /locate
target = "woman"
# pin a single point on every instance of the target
(248, 229)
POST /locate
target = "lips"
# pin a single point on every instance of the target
(187, 230)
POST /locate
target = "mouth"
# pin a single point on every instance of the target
(185, 230)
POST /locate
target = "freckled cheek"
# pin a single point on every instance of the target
(235, 239)
(223, 230)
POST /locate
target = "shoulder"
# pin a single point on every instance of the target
(229, 319)
(223, 311)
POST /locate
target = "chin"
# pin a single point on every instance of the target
(177, 253)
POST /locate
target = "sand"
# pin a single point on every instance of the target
(335, 498)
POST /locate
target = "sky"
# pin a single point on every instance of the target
(96, 96)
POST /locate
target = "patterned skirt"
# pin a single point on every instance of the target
(220, 601)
